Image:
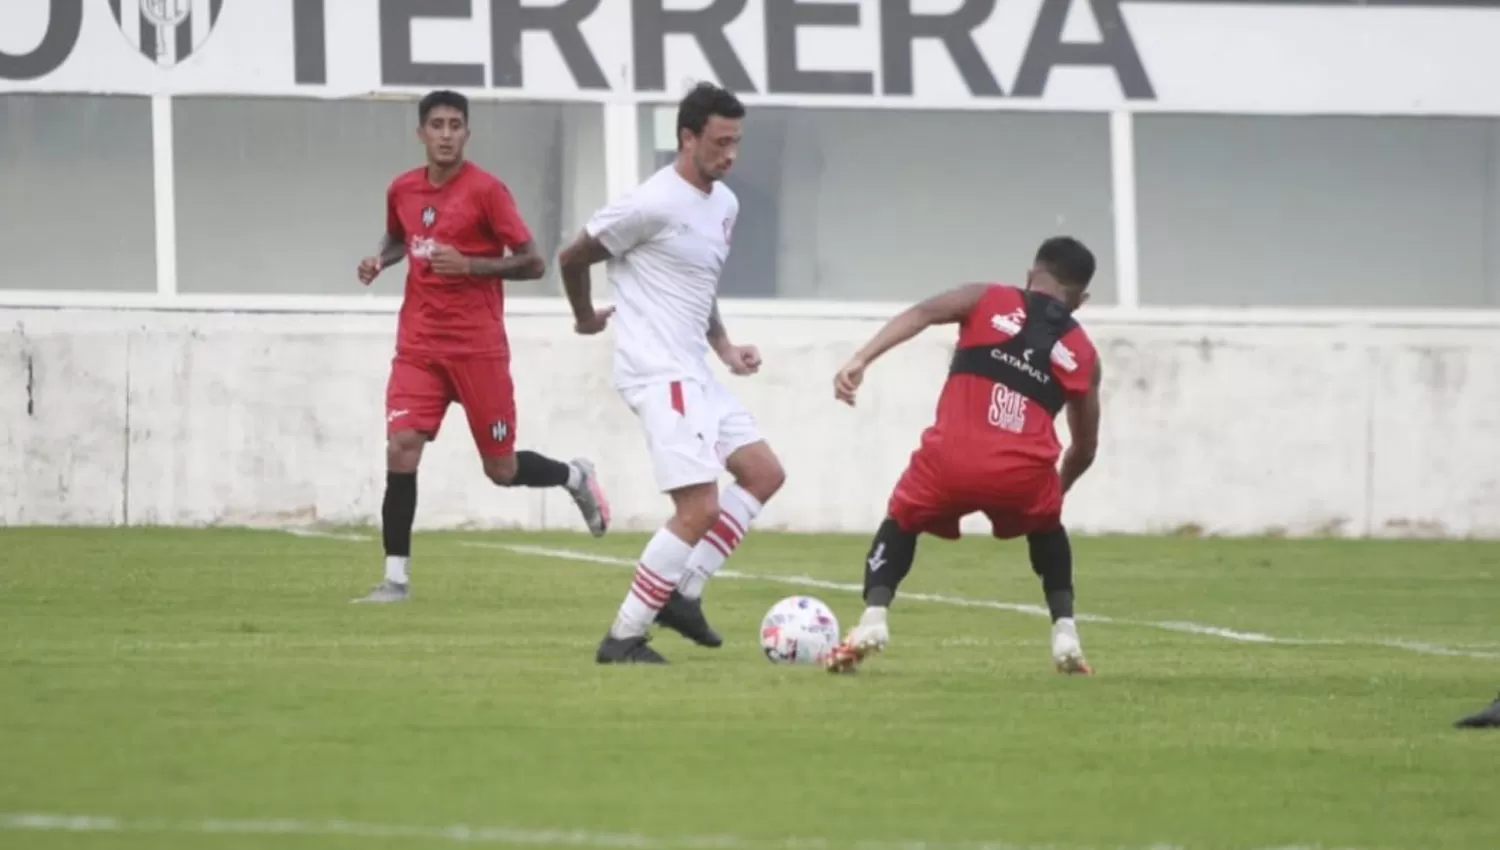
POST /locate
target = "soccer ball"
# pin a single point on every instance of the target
(798, 630)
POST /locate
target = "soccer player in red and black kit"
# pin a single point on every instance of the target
(1021, 360)
(455, 223)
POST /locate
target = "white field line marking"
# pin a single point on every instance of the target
(1181, 627)
(1034, 610)
(465, 834)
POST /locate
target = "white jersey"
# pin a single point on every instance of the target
(668, 242)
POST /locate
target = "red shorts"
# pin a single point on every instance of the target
(421, 388)
(934, 494)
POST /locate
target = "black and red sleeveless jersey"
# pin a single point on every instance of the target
(1020, 356)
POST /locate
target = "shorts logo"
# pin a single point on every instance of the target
(429, 215)
(499, 431)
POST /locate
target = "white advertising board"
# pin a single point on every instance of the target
(1229, 56)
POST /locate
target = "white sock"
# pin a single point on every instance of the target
(575, 476)
(395, 568)
(873, 616)
(659, 570)
(1065, 636)
(737, 509)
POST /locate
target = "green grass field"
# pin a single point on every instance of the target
(215, 689)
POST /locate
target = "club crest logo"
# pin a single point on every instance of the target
(429, 215)
(166, 32)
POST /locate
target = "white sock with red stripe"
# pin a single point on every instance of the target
(660, 569)
(737, 509)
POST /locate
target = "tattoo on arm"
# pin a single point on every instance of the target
(392, 250)
(525, 264)
(573, 263)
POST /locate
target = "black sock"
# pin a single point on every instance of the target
(891, 554)
(536, 470)
(398, 511)
(1052, 559)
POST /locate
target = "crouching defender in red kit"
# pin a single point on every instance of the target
(1021, 360)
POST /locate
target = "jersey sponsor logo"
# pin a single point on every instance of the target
(1007, 409)
(1011, 323)
(1023, 364)
(165, 31)
(1064, 357)
(422, 247)
(429, 215)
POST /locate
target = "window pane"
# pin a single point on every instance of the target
(285, 196)
(1317, 211)
(885, 205)
(76, 182)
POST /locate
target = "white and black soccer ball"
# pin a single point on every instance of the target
(798, 630)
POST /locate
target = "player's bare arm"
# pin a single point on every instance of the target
(525, 263)
(741, 359)
(573, 262)
(941, 309)
(1083, 425)
(392, 250)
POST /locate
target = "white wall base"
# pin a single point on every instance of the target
(174, 418)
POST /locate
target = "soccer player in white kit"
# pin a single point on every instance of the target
(664, 245)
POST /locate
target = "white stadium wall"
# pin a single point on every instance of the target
(181, 418)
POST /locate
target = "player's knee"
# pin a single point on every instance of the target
(697, 510)
(766, 479)
(501, 470)
(760, 472)
(403, 451)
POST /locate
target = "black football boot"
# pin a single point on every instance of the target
(613, 650)
(685, 616)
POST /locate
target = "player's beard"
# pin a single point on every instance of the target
(707, 171)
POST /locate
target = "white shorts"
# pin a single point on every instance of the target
(691, 429)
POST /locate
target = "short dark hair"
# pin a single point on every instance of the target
(703, 102)
(442, 97)
(1068, 260)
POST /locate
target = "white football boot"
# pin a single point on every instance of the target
(867, 638)
(1067, 651)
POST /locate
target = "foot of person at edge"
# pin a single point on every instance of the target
(1067, 651)
(631, 650)
(590, 499)
(685, 617)
(1488, 718)
(867, 638)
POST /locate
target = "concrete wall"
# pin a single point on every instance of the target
(182, 418)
